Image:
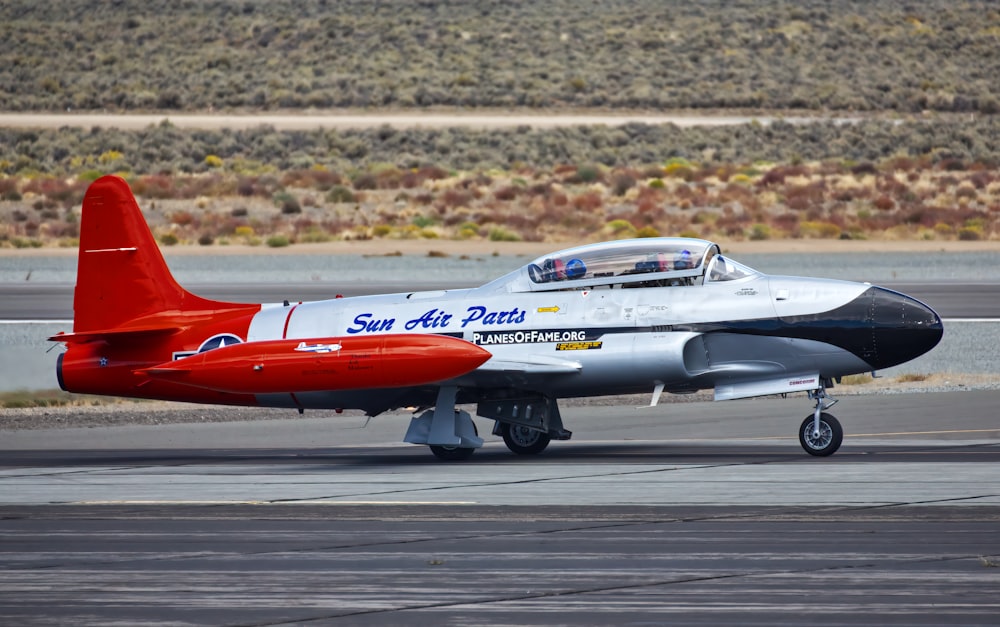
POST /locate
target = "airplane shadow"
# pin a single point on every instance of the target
(559, 453)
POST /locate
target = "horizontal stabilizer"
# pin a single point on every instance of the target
(112, 335)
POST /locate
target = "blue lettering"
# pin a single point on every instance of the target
(433, 319)
(475, 313)
(491, 318)
(365, 323)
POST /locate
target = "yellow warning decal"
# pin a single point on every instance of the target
(578, 346)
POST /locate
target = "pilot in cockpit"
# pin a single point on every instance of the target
(683, 260)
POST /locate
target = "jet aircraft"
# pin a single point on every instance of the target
(644, 315)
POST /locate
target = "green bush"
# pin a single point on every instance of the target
(287, 202)
(339, 193)
(278, 241)
(500, 234)
(759, 232)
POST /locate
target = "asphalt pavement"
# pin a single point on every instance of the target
(693, 513)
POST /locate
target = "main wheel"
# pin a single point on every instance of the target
(524, 440)
(452, 453)
(830, 436)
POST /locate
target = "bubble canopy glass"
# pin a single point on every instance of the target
(647, 262)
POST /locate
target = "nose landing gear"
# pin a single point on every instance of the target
(820, 434)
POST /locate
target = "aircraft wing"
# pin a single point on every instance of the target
(532, 364)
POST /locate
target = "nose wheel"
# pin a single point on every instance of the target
(820, 434)
(824, 440)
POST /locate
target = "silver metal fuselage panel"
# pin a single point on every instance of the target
(587, 342)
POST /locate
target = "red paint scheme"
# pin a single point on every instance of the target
(131, 317)
(374, 361)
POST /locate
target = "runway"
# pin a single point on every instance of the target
(688, 513)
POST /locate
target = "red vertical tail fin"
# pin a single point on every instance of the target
(121, 274)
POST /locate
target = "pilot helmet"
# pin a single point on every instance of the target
(683, 260)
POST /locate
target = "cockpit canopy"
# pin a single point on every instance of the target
(649, 262)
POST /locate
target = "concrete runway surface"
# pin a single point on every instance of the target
(688, 513)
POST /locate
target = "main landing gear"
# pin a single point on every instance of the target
(450, 433)
(820, 434)
(527, 425)
(523, 440)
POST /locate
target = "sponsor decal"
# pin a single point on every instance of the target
(534, 336)
(317, 348)
(578, 346)
(746, 291)
(809, 381)
(438, 319)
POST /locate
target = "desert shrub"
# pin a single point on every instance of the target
(679, 169)
(884, 203)
(588, 201)
(508, 192)
(456, 197)
(288, 203)
(587, 174)
(468, 230)
(339, 193)
(381, 230)
(818, 229)
(169, 239)
(621, 183)
(365, 181)
(206, 239)
(759, 232)
(970, 233)
(500, 234)
(278, 241)
(620, 227)
(647, 231)
(182, 218)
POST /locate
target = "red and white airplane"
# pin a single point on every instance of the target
(658, 314)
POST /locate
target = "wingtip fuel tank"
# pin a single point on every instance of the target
(319, 364)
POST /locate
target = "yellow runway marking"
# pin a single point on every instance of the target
(867, 435)
(280, 502)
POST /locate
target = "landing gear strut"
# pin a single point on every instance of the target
(820, 434)
(450, 433)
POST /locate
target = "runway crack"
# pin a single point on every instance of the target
(521, 481)
(603, 589)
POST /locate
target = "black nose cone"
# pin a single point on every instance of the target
(903, 328)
